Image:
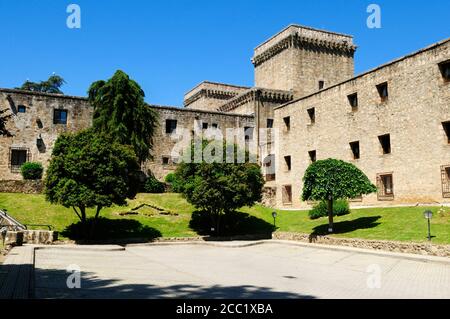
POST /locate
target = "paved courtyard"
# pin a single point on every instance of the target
(271, 270)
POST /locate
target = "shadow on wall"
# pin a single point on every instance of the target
(51, 283)
(231, 224)
(111, 229)
(347, 226)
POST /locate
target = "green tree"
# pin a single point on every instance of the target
(120, 110)
(333, 179)
(88, 170)
(219, 188)
(31, 170)
(52, 85)
(3, 119)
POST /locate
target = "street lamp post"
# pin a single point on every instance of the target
(274, 215)
(428, 214)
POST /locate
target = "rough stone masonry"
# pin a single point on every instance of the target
(393, 122)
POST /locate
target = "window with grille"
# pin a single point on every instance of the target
(385, 184)
(269, 123)
(60, 117)
(445, 172)
(17, 157)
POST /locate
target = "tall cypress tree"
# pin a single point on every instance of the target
(120, 110)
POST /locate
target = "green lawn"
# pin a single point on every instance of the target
(403, 224)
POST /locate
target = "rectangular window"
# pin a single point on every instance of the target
(21, 109)
(287, 195)
(269, 123)
(385, 142)
(165, 160)
(385, 186)
(321, 85)
(171, 126)
(312, 115)
(248, 133)
(204, 125)
(383, 91)
(287, 160)
(214, 125)
(445, 70)
(445, 172)
(287, 122)
(355, 149)
(353, 100)
(18, 156)
(446, 126)
(60, 117)
(312, 156)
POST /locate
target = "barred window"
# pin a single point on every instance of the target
(17, 157)
(60, 117)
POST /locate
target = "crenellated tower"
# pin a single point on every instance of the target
(303, 60)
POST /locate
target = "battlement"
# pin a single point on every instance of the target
(212, 90)
(301, 36)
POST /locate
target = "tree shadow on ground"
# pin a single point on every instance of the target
(231, 224)
(110, 229)
(52, 283)
(347, 226)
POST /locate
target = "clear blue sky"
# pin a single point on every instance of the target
(170, 46)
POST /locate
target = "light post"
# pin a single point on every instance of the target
(428, 214)
(274, 215)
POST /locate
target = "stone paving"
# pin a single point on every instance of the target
(260, 271)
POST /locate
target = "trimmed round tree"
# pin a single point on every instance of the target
(88, 170)
(218, 187)
(332, 179)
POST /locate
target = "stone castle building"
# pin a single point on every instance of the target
(393, 122)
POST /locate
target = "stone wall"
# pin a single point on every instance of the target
(189, 121)
(299, 57)
(37, 123)
(24, 187)
(392, 246)
(417, 105)
(209, 96)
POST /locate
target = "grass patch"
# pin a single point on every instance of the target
(400, 223)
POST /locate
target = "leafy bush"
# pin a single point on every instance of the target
(175, 183)
(340, 207)
(32, 170)
(153, 185)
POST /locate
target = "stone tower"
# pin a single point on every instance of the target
(303, 60)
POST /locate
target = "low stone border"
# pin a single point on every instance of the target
(24, 187)
(426, 249)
